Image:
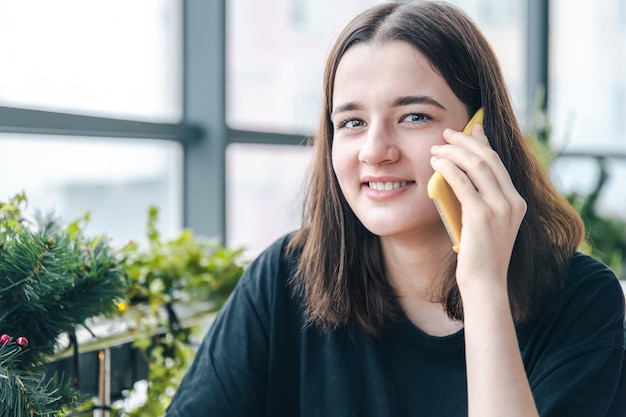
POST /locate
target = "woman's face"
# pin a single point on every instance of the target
(389, 108)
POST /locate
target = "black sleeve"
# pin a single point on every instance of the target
(581, 369)
(229, 373)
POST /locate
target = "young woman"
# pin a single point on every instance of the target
(367, 310)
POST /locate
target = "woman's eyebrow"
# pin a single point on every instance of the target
(407, 100)
(345, 107)
(398, 102)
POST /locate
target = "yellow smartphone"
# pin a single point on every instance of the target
(441, 193)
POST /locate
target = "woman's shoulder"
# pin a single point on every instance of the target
(574, 352)
(591, 304)
(582, 264)
(588, 277)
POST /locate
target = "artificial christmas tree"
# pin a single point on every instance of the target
(52, 279)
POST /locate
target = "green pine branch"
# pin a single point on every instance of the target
(26, 394)
(52, 279)
(50, 283)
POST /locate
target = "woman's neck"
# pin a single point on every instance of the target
(414, 270)
(414, 266)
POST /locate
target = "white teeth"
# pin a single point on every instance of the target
(386, 186)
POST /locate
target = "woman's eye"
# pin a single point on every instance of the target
(415, 118)
(351, 124)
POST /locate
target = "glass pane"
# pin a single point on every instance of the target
(588, 75)
(264, 191)
(587, 96)
(113, 58)
(275, 71)
(116, 181)
(576, 175)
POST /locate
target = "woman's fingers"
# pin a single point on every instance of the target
(470, 166)
(491, 206)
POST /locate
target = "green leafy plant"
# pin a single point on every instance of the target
(606, 236)
(187, 272)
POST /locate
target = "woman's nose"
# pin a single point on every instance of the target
(379, 146)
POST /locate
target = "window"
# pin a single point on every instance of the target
(111, 58)
(587, 96)
(264, 192)
(275, 71)
(619, 108)
(621, 13)
(106, 58)
(115, 180)
(579, 176)
(499, 13)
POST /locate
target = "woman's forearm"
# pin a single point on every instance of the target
(496, 379)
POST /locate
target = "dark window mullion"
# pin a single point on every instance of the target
(270, 138)
(26, 121)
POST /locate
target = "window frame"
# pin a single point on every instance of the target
(203, 131)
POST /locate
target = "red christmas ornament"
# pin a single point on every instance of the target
(21, 342)
(5, 338)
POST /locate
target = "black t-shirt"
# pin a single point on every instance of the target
(259, 358)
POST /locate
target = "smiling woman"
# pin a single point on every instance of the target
(273, 87)
(389, 109)
(365, 309)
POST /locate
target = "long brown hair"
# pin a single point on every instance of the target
(341, 270)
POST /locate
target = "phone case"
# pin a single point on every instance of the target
(447, 204)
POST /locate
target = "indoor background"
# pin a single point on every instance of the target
(202, 107)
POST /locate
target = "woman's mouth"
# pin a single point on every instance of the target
(388, 186)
